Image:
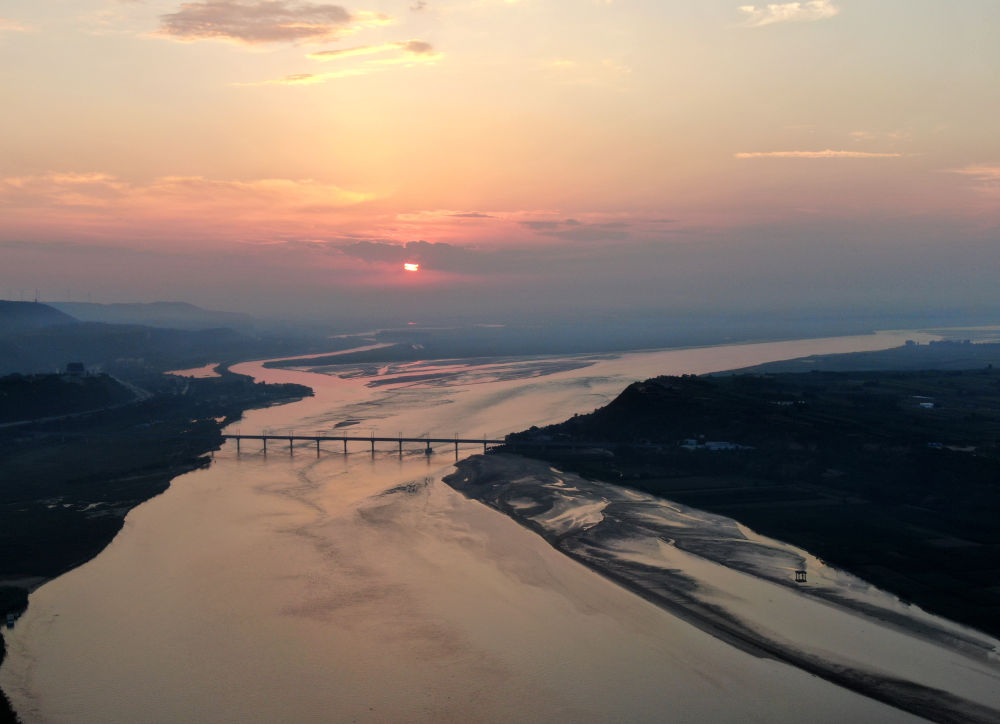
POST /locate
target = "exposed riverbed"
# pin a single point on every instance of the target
(362, 588)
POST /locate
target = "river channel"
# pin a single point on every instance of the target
(304, 587)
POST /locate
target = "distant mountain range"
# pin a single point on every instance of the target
(168, 315)
(36, 337)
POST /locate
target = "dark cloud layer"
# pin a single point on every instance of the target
(267, 21)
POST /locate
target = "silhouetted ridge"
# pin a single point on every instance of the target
(21, 316)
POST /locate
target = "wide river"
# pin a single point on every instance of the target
(311, 588)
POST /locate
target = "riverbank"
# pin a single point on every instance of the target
(683, 561)
(68, 484)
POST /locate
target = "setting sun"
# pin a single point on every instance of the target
(410, 267)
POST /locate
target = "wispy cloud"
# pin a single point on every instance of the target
(406, 54)
(796, 12)
(416, 47)
(265, 21)
(984, 177)
(11, 26)
(189, 206)
(827, 153)
(981, 172)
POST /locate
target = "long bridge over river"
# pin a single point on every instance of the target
(291, 439)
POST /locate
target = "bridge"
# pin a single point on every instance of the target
(370, 439)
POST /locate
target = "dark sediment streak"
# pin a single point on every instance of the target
(497, 479)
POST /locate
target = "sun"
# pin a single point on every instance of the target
(411, 267)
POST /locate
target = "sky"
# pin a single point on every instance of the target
(533, 156)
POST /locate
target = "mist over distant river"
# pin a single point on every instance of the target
(359, 587)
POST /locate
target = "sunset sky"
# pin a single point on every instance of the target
(284, 156)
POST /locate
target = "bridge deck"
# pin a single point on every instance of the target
(367, 438)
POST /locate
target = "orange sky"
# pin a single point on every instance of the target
(577, 133)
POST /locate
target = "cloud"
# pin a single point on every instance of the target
(828, 153)
(10, 26)
(468, 261)
(104, 190)
(788, 12)
(175, 207)
(471, 215)
(984, 177)
(60, 189)
(416, 47)
(418, 5)
(980, 172)
(407, 54)
(265, 21)
(574, 230)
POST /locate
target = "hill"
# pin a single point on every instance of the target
(36, 338)
(892, 475)
(170, 315)
(49, 349)
(38, 396)
(23, 316)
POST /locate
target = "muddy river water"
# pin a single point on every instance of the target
(359, 587)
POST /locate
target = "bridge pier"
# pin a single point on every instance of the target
(317, 439)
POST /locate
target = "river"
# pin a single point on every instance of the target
(359, 587)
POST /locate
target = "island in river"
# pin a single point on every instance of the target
(90, 450)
